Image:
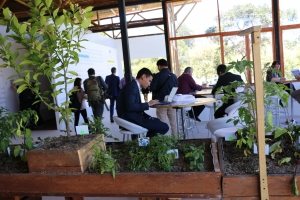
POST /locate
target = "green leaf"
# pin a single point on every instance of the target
(23, 28)
(73, 73)
(85, 23)
(55, 12)
(279, 132)
(48, 3)
(284, 160)
(7, 13)
(59, 20)
(21, 88)
(17, 150)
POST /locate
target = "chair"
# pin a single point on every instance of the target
(128, 128)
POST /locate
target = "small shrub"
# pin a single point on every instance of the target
(103, 161)
(194, 156)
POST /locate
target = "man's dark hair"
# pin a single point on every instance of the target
(91, 71)
(221, 69)
(162, 62)
(187, 70)
(113, 70)
(143, 71)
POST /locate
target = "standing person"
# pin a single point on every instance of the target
(225, 78)
(162, 84)
(78, 100)
(187, 85)
(113, 82)
(94, 88)
(131, 108)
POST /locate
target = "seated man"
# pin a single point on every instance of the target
(187, 85)
(225, 78)
(131, 108)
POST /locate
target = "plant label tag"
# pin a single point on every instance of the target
(267, 149)
(143, 141)
(175, 152)
(82, 130)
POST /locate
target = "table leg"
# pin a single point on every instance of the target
(177, 123)
(182, 121)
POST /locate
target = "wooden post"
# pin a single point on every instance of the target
(260, 118)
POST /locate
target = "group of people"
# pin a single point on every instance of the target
(128, 101)
(95, 90)
(131, 108)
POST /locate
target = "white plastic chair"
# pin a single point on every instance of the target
(129, 128)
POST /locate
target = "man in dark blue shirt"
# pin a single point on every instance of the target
(162, 84)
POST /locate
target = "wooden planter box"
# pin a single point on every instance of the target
(166, 184)
(247, 186)
(63, 160)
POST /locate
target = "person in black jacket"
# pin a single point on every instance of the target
(113, 82)
(131, 108)
(161, 85)
(225, 78)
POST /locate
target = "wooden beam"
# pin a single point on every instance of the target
(2, 3)
(22, 2)
(250, 31)
(260, 116)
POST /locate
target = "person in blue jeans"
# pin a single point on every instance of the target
(113, 82)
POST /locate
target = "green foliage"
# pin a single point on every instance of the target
(247, 136)
(15, 125)
(103, 162)
(50, 41)
(96, 126)
(152, 156)
(194, 156)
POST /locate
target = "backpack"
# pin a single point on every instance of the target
(94, 90)
(75, 104)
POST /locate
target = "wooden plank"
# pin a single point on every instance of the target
(63, 160)
(257, 198)
(183, 184)
(214, 153)
(250, 30)
(248, 186)
(260, 115)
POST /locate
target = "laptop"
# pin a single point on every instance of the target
(169, 98)
(296, 72)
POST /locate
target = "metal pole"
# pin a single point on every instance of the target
(166, 30)
(125, 43)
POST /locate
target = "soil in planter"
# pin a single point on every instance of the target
(16, 165)
(66, 142)
(120, 152)
(236, 163)
(12, 164)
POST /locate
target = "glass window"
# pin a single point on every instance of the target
(203, 55)
(291, 49)
(242, 14)
(289, 12)
(195, 18)
(234, 48)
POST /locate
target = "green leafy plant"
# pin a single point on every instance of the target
(195, 156)
(15, 125)
(103, 162)
(246, 136)
(152, 156)
(50, 42)
(96, 126)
